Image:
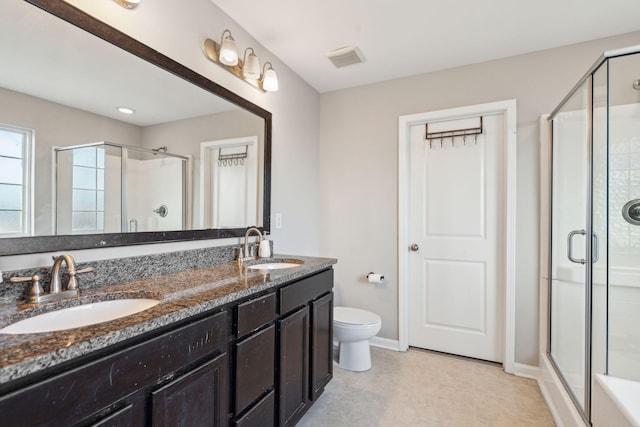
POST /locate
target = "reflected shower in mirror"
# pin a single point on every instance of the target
(110, 188)
(97, 138)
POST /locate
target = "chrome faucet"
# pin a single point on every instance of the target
(247, 254)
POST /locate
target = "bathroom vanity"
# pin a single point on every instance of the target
(226, 346)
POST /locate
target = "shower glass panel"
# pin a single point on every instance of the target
(568, 252)
(624, 218)
(112, 188)
(595, 228)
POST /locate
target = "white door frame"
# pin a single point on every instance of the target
(508, 108)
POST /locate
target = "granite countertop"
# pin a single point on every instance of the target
(183, 294)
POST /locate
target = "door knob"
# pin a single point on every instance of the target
(414, 247)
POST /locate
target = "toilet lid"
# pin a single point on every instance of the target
(354, 316)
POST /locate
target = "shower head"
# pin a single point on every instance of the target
(636, 84)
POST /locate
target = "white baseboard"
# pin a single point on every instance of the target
(385, 343)
(526, 371)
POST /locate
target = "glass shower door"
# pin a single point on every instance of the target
(570, 281)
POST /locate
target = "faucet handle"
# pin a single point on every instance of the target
(34, 278)
(73, 280)
(84, 270)
(36, 288)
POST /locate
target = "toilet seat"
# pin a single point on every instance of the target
(349, 316)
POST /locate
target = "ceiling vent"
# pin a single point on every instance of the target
(346, 56)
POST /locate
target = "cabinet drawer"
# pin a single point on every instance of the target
(255, 365)
(261, 415)
(85, 390)
(300, 293)
(254, 314)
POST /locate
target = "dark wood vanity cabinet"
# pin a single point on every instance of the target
(261, 362)
(142, 384)
(305, 344)
(283, 356)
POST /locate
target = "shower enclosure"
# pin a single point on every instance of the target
(112, 188)
(594, 257)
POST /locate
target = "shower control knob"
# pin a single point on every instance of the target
(414, 247)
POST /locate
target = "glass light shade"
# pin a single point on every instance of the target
(228, 51)
(251, 68)
(129, 4)
(270, 80)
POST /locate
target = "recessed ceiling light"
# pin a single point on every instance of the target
(126, 110)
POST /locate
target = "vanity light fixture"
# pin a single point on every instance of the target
(129, 4)
(246, 68)
(269, 78)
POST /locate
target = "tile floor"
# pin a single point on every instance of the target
(420, 388)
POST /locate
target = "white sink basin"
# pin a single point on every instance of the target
(273, 265)
(81, 315)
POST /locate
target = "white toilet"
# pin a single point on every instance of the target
(353, 328)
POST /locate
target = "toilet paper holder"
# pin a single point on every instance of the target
(375, 278)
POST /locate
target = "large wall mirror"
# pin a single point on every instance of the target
(190, 161)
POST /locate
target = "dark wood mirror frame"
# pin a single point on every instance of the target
(73, 15)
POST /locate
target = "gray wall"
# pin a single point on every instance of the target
(359, 172)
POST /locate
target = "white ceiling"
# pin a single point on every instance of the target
(407, 37)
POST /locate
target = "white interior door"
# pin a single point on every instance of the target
(456, 221)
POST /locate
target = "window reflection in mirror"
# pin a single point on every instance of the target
(15, 181)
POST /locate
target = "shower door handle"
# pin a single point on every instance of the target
(570, 246)
(595, 248)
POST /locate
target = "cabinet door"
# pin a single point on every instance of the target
(294, 366)
(321, 344)
(198, 398)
